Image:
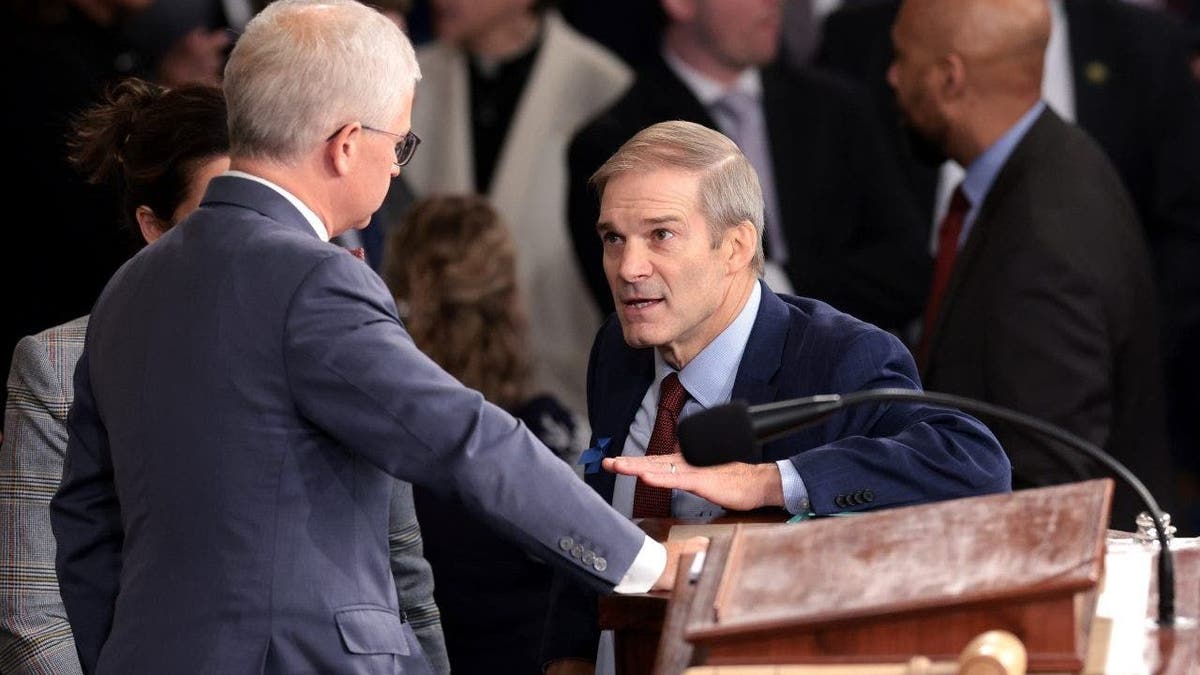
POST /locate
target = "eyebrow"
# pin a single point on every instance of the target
(604, 225)
(659, 220)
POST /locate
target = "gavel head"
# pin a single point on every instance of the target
(995, 652)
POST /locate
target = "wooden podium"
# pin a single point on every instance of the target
(885, 586)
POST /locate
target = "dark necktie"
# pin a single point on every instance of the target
(655, 502)
(948, 236)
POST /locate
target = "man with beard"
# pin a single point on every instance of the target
(1042, 298)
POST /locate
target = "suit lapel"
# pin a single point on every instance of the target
(629, 374)
(763, 357)
(982, 229)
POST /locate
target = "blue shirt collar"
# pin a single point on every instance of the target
(709, 377)
(983, 171)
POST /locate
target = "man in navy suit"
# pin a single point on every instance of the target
(247, 394)
(681, 219)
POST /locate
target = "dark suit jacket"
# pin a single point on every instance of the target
(245, 397)
(1050, 310)
(897, 454)
(853, 233)
(1135, 96)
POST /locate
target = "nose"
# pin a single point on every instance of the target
(633, 264)
(893, 74)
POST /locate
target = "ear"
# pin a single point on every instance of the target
(343, 148)
(151, 226)
(742, 243)
(952, 78)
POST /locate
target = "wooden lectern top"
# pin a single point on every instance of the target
(957, 553)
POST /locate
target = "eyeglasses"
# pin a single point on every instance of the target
(405, 149)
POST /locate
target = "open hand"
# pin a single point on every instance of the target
(736, 486)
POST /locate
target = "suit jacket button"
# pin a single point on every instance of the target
(840, 501)
(577, 551)
(566, 543)
(588, 557)
(868, 496)
(599, 564)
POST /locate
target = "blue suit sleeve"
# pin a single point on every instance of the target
(896, 454)
(357, 375)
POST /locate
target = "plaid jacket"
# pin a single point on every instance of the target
(34, 634)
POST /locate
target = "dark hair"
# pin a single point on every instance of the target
(147, 141)
(452, 262)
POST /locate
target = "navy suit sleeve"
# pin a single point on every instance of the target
(356, 374)
(86, 518)
(901, 453)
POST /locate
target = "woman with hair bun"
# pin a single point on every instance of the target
(158, 148)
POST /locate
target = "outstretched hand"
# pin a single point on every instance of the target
(736, 486)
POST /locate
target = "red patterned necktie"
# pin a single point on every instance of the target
(655, 502)
(948, 236)
(358, 252)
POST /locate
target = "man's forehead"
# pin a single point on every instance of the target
(652, 184)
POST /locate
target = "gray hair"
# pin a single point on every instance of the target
(729, 191)
(304, 68)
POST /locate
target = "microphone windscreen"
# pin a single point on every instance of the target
(718, 435)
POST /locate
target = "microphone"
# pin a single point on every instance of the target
(732, 432)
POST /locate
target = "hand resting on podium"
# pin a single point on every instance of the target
(736, 486)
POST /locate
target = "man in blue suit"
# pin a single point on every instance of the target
(247, 394)
(681, 223)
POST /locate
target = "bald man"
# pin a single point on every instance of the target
(1042, 298)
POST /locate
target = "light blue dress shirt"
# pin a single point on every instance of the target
(708, 379)
(981, 174)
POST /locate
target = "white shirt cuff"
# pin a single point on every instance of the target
(647, 567)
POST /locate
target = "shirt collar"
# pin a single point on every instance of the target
(983, 171)
(309, 214)
(709, 377)
(708, 90)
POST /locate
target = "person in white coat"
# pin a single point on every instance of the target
(505, 87)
